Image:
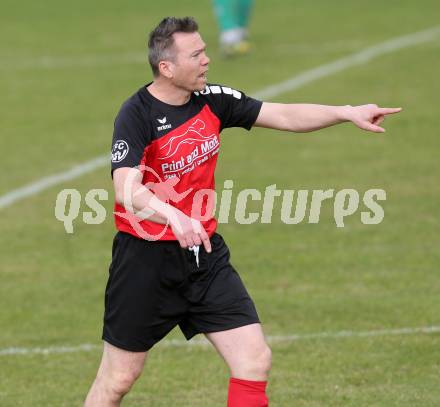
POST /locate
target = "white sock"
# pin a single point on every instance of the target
(233, 36)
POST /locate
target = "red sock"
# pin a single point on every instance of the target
(247, 393)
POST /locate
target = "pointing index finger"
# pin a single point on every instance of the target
(389, 110)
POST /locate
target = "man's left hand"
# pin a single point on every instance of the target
(369, 117)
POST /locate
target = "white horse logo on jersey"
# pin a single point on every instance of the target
(192, 135)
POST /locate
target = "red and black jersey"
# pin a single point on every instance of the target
(176, 148)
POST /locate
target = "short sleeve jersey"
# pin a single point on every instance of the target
(176, 149)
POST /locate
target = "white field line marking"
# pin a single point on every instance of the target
(173, 343)
(90, 61)
(47, 182)
(355, 59)
(358, 58)
(51, 62)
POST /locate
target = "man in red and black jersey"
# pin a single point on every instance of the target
(169, 266)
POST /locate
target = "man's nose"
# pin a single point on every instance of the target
(205, 60)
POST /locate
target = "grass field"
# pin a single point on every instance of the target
(65, 70)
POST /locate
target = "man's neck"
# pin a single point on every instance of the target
(168, 93)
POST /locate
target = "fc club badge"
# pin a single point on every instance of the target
(119, 151)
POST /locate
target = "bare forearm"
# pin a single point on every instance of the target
(304, 117)
(139, 200)
(309, 117)
(144, 204)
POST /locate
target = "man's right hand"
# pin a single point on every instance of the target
(188, 231)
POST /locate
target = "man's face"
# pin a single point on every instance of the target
(190, 64)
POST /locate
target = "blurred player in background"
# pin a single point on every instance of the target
(233, 20)
(169, 266)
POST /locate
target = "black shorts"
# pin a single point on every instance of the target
(154, 286)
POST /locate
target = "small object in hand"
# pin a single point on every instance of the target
(195, 249)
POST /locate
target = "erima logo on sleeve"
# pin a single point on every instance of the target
(119, 151)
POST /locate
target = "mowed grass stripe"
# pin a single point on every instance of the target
(272, 339)
(306, 77)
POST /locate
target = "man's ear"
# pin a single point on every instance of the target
(166, 68)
